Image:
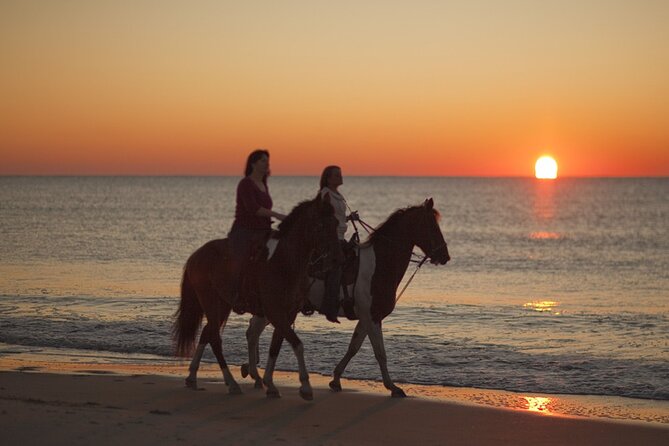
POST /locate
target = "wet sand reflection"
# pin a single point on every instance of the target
(538, 404)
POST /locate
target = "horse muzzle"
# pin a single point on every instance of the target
(440, 257)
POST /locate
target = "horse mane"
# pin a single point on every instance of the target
(287, 224)
(385, 227)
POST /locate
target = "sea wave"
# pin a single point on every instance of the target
(455, 345)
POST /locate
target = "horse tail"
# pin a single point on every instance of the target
(188, 318)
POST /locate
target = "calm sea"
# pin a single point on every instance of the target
(557, 287)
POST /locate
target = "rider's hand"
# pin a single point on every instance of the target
(354, 216)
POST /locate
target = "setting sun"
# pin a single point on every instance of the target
(546, 168)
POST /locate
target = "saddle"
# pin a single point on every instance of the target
(349, 268)
(349, 276)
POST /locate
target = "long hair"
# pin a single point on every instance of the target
(326, 174)
(252, 159)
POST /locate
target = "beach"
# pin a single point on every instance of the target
(47, 400)
(549, 325)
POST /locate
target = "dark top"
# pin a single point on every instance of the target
(249, 200)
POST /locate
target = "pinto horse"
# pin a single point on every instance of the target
(274, 288)
(384, 259)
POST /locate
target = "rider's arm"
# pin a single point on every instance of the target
(263, 212)
(246, 195)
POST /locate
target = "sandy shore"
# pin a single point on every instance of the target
(72, 403)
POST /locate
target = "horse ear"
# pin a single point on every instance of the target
(429, 204)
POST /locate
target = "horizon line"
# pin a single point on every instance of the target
(137, 175)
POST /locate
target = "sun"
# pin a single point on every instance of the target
(546, 168)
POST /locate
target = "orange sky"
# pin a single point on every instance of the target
(378, 87)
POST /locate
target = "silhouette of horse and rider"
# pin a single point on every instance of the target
(275, 275)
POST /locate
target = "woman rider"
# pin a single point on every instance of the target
(331, 179)
(253, 215)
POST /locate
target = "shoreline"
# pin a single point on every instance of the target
(17, 359)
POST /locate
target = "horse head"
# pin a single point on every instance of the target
(428, 236)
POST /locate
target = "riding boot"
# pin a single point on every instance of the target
(236, 302)
(330, 306)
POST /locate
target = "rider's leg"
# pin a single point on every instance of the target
(330, 306)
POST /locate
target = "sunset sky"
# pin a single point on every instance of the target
(464, 88)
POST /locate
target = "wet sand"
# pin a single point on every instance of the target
(64, 401)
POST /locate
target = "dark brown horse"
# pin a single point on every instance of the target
(383, 261)
(274, 288)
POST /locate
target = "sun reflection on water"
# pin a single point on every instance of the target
(538, 404)
(545, 235)
(544, 200)
(543, 306)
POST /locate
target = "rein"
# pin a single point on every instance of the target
(318, 259)
(410, 279)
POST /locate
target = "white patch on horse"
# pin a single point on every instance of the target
(363, 285)
(361, 292)
(271, 246)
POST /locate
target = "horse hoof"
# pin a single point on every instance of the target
(245, 370)
(258, 384)
(335, 386)
(273, 393)
(398, 393)
(307, 396)
(191, 383)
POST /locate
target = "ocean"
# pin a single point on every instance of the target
(554, 286)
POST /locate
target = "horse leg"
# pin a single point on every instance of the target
(191, 381)
(359, 335)
(256, 327)
(268, 377)
(375, 334)
(282, 325)
(217, 345)
(306, 392)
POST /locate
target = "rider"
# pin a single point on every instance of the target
(331, 179)
(253, 215)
